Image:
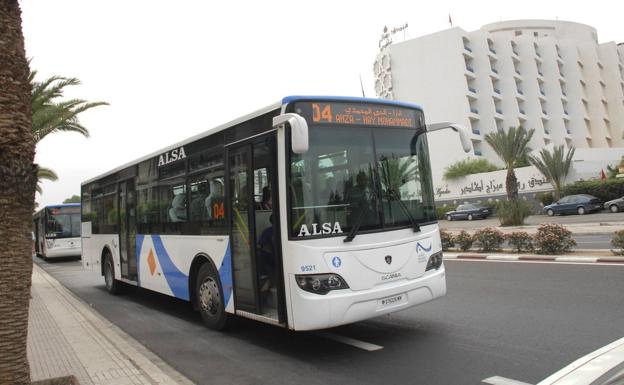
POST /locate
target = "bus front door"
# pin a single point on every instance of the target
(256, 257)
(127, 230)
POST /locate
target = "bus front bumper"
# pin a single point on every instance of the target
(340, 307)
(64, 252)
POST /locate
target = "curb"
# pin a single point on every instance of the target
(123, 350)
(535, 258)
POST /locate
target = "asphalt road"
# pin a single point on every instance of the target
(516, 320)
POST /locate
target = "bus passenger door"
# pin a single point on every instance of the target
(256, 257)
(127, 229)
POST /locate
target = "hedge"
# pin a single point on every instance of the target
(605, 190)
(468, 167)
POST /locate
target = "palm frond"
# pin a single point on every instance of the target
(555, 166)
(51, 115)
(47, 174)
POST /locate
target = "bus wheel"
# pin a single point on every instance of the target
(210, 297)
(112, 286)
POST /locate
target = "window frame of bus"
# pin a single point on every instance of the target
(290, 108)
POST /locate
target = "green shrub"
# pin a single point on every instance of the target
(512, 213)
(488, 239)
(605, 190)
(553, 239)
(464, 240)
(468, 167)
(442, 210)
(520, 241)
(447, 240)
(618, 242)
(546, 198)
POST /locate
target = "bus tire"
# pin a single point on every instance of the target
(209, 296)
(112, 285)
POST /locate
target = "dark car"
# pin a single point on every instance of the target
(574, 204)
(615, 205)
(469, 211)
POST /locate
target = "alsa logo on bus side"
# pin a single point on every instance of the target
(171, 156)
(324, 228)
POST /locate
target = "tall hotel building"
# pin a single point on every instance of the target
(552, 76)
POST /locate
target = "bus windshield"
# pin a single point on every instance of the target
(358, 174)
(63, 222)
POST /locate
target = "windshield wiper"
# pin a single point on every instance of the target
(393, 194)
(355, 228)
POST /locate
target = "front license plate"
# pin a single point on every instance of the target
(393, 301)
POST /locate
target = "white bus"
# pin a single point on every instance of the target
(311, 213)
(57, 231)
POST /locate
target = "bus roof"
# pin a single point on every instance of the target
(348, 99)
(262, 111)
(57, 206)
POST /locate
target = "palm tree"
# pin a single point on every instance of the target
(510, 146)
(555, 166)
(50, 115)
(47, 174)
(17, 196)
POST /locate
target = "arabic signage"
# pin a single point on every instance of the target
(358, 114)
(491, 183)
(386, 37)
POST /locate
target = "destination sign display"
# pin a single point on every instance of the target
(64, 210)
(358, 114)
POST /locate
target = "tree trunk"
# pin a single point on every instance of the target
(511, 184)
(17, 193)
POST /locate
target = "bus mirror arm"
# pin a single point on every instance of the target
(463, 137)
(298, 131)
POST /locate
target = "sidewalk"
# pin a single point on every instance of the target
(578, 256)
(67, 337)
(575, 228)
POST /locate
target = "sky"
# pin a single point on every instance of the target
(171, 70)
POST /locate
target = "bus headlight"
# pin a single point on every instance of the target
(321, 283)
(435, 261)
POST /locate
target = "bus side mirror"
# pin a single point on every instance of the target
(463, 137)
(298, 131)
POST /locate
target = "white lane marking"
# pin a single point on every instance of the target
(350, 341)
(498, 380)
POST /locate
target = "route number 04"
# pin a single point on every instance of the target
(321, 114)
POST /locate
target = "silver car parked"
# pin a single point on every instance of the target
(615, 205)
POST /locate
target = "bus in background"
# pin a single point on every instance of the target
(311, 213)
(57, 231)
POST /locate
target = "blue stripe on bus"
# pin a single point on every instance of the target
(139, 246)
(177, 281)
(347, 99)
(225, 273)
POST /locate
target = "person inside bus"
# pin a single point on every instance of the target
(266, 203)
(359, 198)
(177, 211)
(214, 200)
(330, 195)
(198, 199)
(266, 256)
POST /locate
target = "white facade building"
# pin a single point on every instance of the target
(552, 76)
